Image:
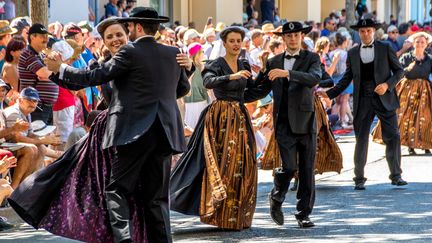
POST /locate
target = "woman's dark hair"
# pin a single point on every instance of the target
(232, 29)
(101, 28)
(16, 44)
(340, 39)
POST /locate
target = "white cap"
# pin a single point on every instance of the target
(190, 34)
(391, 28)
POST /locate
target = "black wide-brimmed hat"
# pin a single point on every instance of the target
(293, 27)
(146, 15)
(365, 23)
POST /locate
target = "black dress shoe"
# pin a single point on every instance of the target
(411, 151)
(276, 211)
(360, 186)
(399, 182)
(427, 151)
(305, 222)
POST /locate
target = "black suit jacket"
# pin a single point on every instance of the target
(387, 69)
(147, 80)
(304, 76)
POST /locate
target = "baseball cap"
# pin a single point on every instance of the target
(85, 26)
(38, 29)
(71, 29)
(30, 93)
(4, 84)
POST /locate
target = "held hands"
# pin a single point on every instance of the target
(381, 89)
(240, 74)
(184, 61)
(278, 73)
(53, 62)
(51, 140)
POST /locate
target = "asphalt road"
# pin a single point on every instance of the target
(381, 213)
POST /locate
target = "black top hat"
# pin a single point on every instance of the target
(146, 15)
(293, 27)
(365, 23)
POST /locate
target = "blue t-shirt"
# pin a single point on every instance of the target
(87, 55)
(110, 10)
(2, 61)
(325, 32)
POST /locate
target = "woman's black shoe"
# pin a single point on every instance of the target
(427, 151)
(411, 151)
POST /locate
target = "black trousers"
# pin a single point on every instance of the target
(298, 153)
(367, 109)
(147, 160)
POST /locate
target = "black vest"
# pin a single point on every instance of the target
(367, 79)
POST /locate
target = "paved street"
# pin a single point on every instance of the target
(381, 213)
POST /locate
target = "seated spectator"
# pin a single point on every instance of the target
(79, 132)
(25, 153)
(6, 190)
(27, 103)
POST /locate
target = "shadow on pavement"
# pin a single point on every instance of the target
(380, 213)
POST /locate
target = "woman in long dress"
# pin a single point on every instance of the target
(216, 178)
(415, 95)
(67, 197)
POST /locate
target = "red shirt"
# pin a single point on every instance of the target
(65, 99)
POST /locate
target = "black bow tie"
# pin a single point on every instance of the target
(289, 56)
(369, 46)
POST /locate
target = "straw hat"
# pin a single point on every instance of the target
(6, 29)
(427, 36)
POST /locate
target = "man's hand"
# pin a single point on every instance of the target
(184, 61)
(263, 56)
(278, 73)
(20, 126)
(381, 89)
(53, 62)
(241, 74)
(51, 140)
(7, 163)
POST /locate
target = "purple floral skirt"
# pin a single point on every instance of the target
(67, 197)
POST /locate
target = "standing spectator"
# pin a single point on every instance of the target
(250, 8)
(393, 21)
(22, 25)
(392, 36)
(360, 9)
(10, 72)
(329, 27)
(267, 10)
(9, 8)
(196, 100)
(342, 18)
(210, 36)
(403, 33)
(33, 72)
(111, 9)
(88, 40)
(56, 29)
(121, 6)
(6, 33)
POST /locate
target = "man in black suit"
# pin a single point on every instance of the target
(292, 75)
(144, 122)
(375, 69)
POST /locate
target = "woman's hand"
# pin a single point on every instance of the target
(241, 74)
